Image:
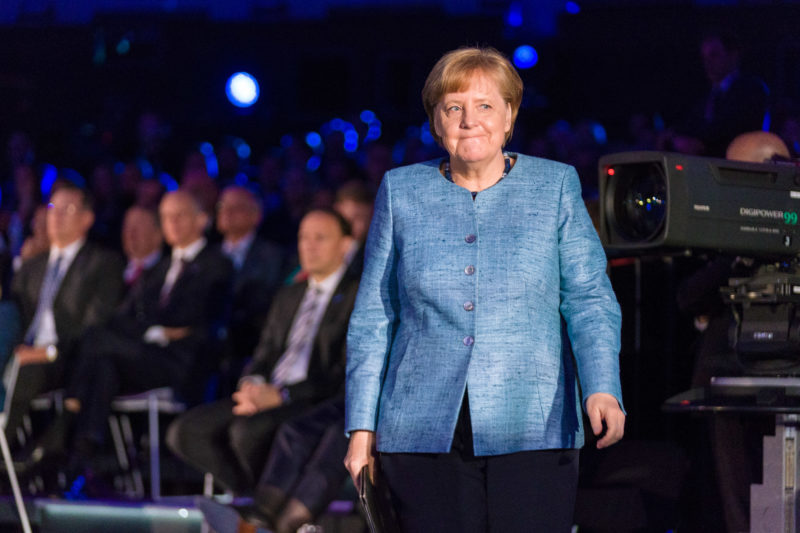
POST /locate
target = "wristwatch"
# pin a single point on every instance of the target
(52, 352)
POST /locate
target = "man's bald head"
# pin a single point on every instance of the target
(182, 219)
(756, 147)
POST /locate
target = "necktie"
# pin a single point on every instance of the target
(176, 269)
(47, 294)
(134, 275)
(300, 336)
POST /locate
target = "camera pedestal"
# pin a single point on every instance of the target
(774, 504)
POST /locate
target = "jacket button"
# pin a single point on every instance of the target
(470, 238)
(469, 306)
(470, 270)
(468, 340)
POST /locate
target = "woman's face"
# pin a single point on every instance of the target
(473, 124)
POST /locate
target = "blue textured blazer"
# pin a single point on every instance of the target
(470, 294)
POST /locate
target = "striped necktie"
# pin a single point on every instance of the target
(300, 337)
(47, 294)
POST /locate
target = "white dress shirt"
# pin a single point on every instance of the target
(46, 333)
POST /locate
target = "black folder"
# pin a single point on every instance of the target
(377, 508)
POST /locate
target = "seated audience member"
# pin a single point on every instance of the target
(757, 147)
(298, 362)
(60, 293)
(161, 335)
(304, 471)
(354, 201)
(258, 267)
(141, 241)
(736, 103)
(38, 241)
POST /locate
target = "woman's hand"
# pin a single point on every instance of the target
(360, 452)
(604, 408)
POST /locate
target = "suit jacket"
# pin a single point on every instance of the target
(89, 292)
(327, 362)
(199, 300)
(253, 288)
(460, 293)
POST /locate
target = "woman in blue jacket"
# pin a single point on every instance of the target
(478, 268)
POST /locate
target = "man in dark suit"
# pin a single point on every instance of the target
(162, 335)
(737, 102)
(298, 362)
(354, 201)
(258, 266)
(60, 294)
(142, 242)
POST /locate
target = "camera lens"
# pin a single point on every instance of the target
(638, 196)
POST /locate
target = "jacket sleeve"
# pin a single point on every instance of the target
(374, 319)
(588, 304)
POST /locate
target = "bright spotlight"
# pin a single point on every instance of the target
(525, 56)
(242, 89)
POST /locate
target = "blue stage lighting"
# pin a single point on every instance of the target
(287, 141)
(49, 175)
(514, 15)
(350, 140)
(242, 149)
(367, 116)
(168, 182)
(206, 149)
(525, 56)
(313, 139)
(242, 89)
(599, 133)
(338, 124)
(425, 135)
(572, 8)
(313, 163)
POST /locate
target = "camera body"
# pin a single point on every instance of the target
(662, 200)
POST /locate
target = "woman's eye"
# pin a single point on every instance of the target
(454, 109)
(485, 106)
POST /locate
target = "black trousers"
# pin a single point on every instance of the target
(306, 460)
(231, 447)
(111, 363)
(33, 380)
(525, 492)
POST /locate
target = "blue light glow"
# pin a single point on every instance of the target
(525, 56)
(168, 182)
(242, 89)
(337, 124)
(313, 139)
(313, 163)
(243, 150)
(514, 15)
(123, 47)
(146, 168)
(572, 8)
(425, 135)
(206, 149)
(287, 141)
(599, 133)
(367, 116)
(350, 140)
(374, 132)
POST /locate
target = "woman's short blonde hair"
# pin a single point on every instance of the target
(455, 69)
